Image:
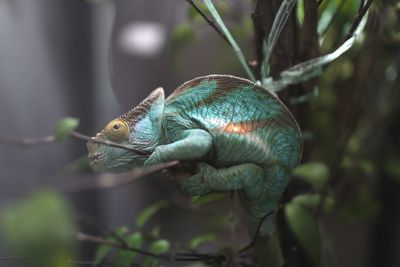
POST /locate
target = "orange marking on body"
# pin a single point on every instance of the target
(239, 128)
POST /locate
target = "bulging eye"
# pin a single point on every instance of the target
(117, 130)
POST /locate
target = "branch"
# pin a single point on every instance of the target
(209, 21)
(4, 259)
(107, 143)
(26, 142)
(279, 22)
(313, 67)
(362, 11)
(105, 180)
(76, 262)
(191, 257)
(110, 180)
(231, 40)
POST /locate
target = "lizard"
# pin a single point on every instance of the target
(239, 135)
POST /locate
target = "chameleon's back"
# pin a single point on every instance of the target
(248, 123)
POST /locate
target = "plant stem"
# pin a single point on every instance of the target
(231, 40)
(279, 22)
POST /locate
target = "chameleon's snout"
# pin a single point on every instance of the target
(94, 152)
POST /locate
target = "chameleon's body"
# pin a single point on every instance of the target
(242, 137)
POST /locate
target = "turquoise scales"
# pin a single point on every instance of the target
(251, 130)
(242, 137)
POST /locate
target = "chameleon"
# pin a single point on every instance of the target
(238, 135)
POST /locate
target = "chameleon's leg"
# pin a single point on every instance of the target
(260, 190)
(192, 144)
(247, 177)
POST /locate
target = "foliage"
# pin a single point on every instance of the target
(64, 127)
(39, 229)
(337, 124)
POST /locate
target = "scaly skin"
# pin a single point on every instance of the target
(240, 135)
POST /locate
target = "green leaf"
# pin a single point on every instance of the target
(64, 127)
(311, 201)
(314, 173)
(198, 200)
(158, 247)
(193, 15)
(196, 241)
(39, 229)
(104, 250)
(300, 11)
(183, 34)
(147, 213)
(361, 206)
(303, 224)
(392, 167)
(124, 258)
(300, 216)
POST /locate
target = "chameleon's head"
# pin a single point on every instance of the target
(139, 130)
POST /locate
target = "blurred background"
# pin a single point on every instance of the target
(94, 60)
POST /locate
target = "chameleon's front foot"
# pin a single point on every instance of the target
(156, 157)
(198, 184)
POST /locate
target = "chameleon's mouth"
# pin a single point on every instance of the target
(95, 157)
(94, 154)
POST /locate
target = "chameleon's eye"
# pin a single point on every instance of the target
(117, 130)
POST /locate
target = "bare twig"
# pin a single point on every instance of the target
(27, 142)
(279, 22)
(208, 20)
(4, 259)
(76, 262)
(362, 11)
(107, 143)
(100, 240)
(85, 218)
(110, 180)
(236, 49)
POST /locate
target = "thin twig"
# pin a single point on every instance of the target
(85, 218)
(107, 143)
(77, 262)
(254, 239)
(105, 180)
(28, 141)
(208, 20)
(363, 10)
(210, 6)
(100, 240)
(281, 17)
(111, 180)
(4, 259)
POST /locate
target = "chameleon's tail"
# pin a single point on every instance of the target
(267, 249)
